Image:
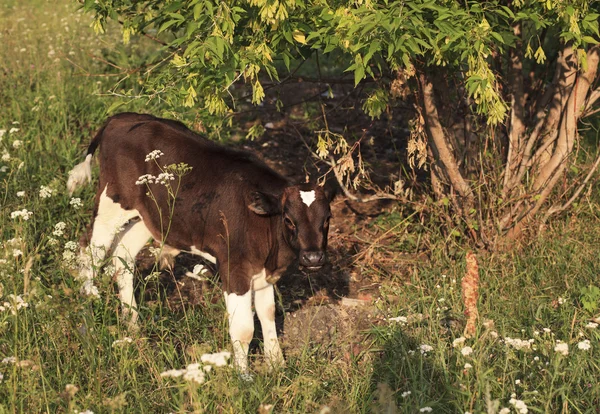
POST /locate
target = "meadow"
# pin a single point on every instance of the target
(536, 348)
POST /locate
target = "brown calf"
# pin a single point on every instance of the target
(230, 209)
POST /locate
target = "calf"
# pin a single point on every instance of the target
(230, 209)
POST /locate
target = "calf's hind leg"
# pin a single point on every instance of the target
(132, 240)
(108, 222)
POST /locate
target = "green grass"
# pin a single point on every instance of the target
(62, 338)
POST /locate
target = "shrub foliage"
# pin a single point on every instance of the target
(500, 87)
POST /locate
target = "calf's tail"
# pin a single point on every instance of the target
(83, 171)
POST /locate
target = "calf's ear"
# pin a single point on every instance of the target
(264, 204)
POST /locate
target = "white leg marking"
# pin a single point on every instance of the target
(241, 326)
(204, 255)
(107, 224)
(264, 303)
(307, 197)
(132, 241)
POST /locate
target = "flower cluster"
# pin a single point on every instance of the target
(154, 155)
(163, 178)
(14, 304)
(89, 289)
(218, 359)
(196, 372)
(403, 320)
(69, 255)
(519, 405)
(584, 345)
(46, 192)
(424, 348)
(25, 214)
(145, 179)
(126, 340)
(76, 203)
(59, 228)
(518, 343)
(562, 348)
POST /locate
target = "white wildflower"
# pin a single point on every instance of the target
(71, 245)
(519, 405)
(517, 343)
(218, 359)
(561, 301)
(84, 412)
(591, 325)
(45, 192)
(468, 366)
(458, 341)
(517, 382)
(17, 143)
(9, 360)
(562, 348)
(194, 375)
(76, 203)
(126, 340)
(584, 345)
(164, 178)
(400, 319)
(173, 373)
(405, 394)
(504, 410)
(25, 214)
(424, 348)
(59, 228)
(13, 130)
(14, 304)
(17, 252)
(547, 330)
(154, 155)
(89, 289)
(20, 193)
(69, 257)
(5, 155)
(467, 350)
(52, 241)
(3, 169)
(146, 179)
(426, 410)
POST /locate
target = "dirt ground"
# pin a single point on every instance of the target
(335, 307)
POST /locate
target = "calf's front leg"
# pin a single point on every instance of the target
(241, 327)
(264, 303)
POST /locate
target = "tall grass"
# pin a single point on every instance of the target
(58, 353)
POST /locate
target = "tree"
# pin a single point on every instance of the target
(499, 87)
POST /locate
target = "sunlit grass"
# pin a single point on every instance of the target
(58, 351)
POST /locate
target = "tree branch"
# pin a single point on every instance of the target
(558, 209)
(517, 113)
(435, 133)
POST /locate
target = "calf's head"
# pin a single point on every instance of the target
(304, 213)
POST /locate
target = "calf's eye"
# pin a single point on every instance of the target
(289, 223)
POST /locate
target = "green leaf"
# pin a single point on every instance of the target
(167, 24)
(359, 74)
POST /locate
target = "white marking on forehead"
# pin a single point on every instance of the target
(307, 197)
